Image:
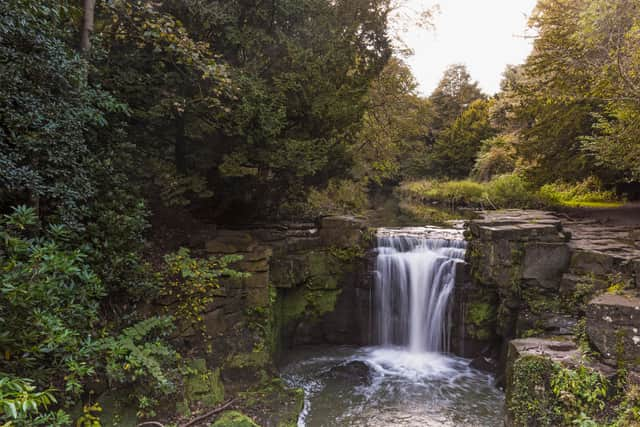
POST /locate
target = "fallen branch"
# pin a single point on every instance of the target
(150, 423)
(208, 414)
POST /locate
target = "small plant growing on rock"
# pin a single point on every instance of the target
(190, 283)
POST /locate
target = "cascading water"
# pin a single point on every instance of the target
(406, 379)
(414, 278)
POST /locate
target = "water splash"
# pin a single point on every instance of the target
(415, 276)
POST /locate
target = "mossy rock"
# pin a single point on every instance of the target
(480, 313)
(201, 385)
(273, 403)
(234, 419)
(117, 410)
(529, 398)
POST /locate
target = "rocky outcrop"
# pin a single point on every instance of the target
(306, 285)
(566, 313)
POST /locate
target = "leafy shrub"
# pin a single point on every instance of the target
(510, 191)
(451, 193)
(50, 299)
(496, 157)
(580, 394)
(505, 191)
(588, 192)
(140, 359)
(22, 405)
(340, 196)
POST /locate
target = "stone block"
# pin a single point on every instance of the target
(613, 326)
(257, 280)
(258, 297)
(341, 231)
(545, 263)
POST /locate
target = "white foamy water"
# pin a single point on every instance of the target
(403, 389)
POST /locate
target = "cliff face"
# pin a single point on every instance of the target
(308, 284)
(545, 292)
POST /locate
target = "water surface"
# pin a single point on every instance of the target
(405, 389)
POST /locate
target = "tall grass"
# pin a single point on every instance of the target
(505, 192)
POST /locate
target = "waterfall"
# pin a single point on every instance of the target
(414, 278)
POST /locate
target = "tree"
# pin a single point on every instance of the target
(88, 10)
(455, 151)
(579, 93)
(454, 93)
(394, 126)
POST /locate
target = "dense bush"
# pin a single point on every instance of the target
(510, 191)
(588, 192)
(49, 301)
(340, 196)
(497, 156)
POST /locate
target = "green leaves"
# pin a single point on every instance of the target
(19, 399)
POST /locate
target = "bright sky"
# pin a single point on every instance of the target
(485, 35)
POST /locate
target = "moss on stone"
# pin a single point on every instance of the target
(480, 313)
(201, 385)
(347, 255)
(528, 393)
(272, 402)
(234, 419)
(540, 303)
(258, 358)
(308, 303)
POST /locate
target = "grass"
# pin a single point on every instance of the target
(503, 192)
(594, 205)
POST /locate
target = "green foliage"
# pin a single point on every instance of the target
(22, 405)
(340, 197)
(545, 393)
(451, 193)
(580, 394)
(392, 139)
(505, 191)
(191, 282)
(628, 411)
(140, 358)
(233, 419)
(588, 192)
(497, 156)
(456, 148)
(529, 401)
(510, 191)
(575, 101)
(47, 109)
(50, 299)
(454, 93)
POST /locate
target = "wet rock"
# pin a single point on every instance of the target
(354, 372)
(483, 363)
(613, 326)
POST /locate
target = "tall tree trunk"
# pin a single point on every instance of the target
(180, 146)
(87, 24)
